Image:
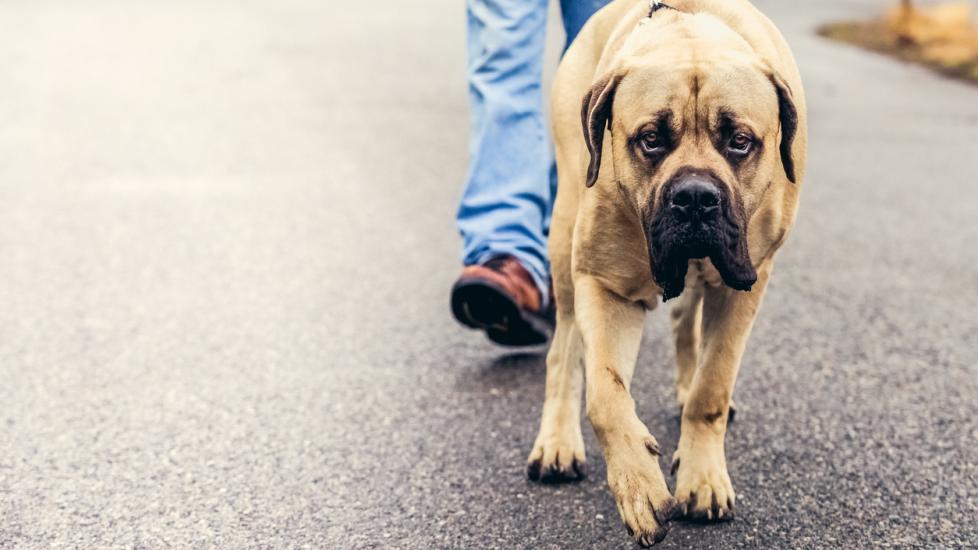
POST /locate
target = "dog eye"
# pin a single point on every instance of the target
(740, 144)
(651, 143)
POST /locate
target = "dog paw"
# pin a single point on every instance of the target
(557, 458)
(640, 489)
(703, 488)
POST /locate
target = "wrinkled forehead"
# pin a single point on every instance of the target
(654, 83)
(673, 59)
(731, 84)
(743, 88)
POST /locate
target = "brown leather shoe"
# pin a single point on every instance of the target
(501, 298)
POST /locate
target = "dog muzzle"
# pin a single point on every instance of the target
(696, 219)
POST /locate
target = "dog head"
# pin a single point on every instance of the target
(700, 128)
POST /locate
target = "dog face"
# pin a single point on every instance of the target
(700, 129)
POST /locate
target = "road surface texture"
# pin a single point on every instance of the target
(227, 243)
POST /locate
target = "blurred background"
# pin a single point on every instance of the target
(226, 249)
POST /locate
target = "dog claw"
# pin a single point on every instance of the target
(650, 539)
(554, 474)
(653, 447)
(675, 467)
(715, 511)
(580, 469)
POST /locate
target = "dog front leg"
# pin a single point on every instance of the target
(611, 328)
(702, 483)
(687, 317)
(558, 453)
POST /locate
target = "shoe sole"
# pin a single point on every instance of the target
(483, 305)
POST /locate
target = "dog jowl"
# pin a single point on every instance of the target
(697, 218)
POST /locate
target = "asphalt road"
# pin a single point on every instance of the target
(226, 244)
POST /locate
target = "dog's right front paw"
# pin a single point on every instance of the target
(640, 490)
(703, 486)
(557, 459)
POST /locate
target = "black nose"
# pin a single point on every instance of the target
(695, 198)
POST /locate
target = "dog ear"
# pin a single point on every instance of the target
(595, 117)
(789, 123)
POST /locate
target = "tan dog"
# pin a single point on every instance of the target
(691, 190)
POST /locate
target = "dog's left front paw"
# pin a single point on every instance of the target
(703, 487)
(639, 488)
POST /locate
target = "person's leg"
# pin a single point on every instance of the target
(575, 13)
(507, 196)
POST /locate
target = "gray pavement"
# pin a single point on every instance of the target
(225, 256)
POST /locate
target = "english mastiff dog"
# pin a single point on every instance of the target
(680, 136)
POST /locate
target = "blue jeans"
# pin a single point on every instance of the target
(511, 182)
